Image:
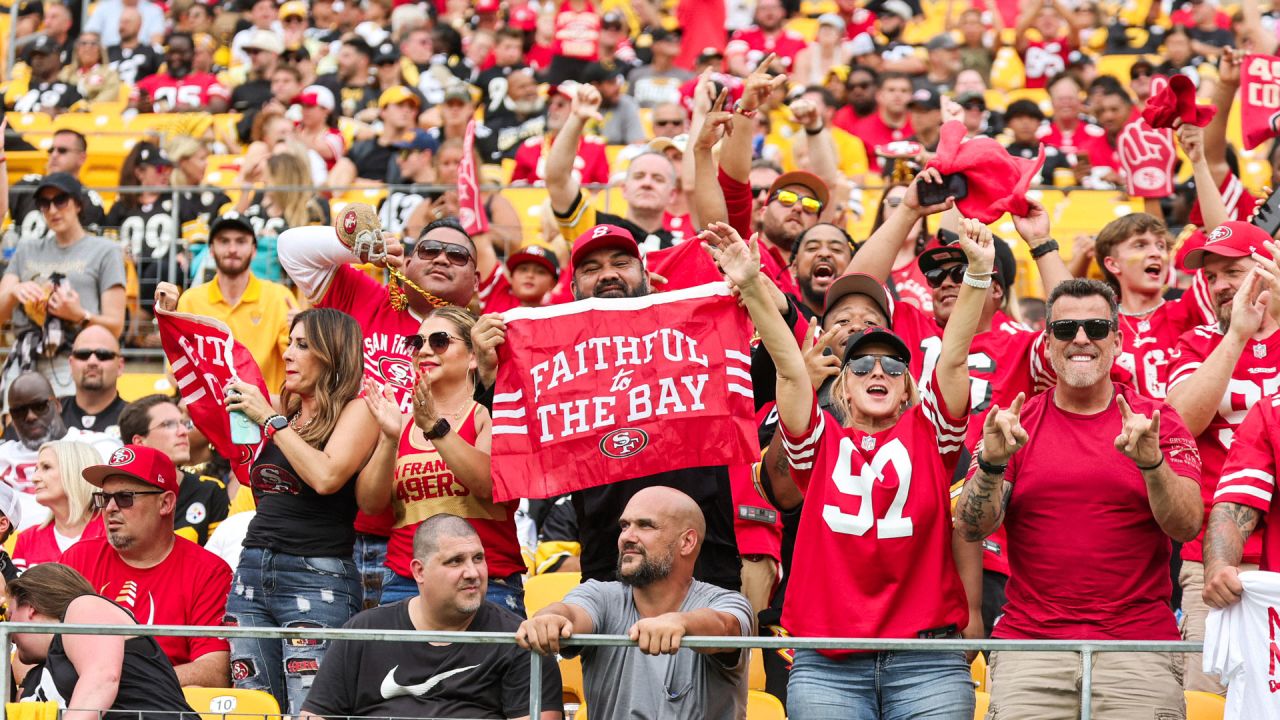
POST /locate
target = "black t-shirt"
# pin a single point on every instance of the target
(1216, 37)
(649, 241)
(493, 86)
(107, 421)
(599, 508)
(486, 143)
(513, 129)
(373, 160)
(292, 517)
(1053, 158)
(351, 99)
(202, 204)
(45, 96)
(202, 504)
(252, 94)
(134, 64)
(148, 232)
(29, 220)
(400, 679)
(396, 208)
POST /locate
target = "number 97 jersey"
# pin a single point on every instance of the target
(873, 552)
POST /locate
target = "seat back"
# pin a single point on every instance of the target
(31, 710)
(232, 704)
(542, 590)
(1204, 705)
(763, 706)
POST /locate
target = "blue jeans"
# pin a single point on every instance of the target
(504, 592)
(273, 589)
(880, 686)
(370, 555)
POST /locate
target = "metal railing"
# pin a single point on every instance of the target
(1087, 649)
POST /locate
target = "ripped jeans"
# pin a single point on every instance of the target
(273, 589)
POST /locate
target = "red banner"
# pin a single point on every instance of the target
(205, 358)
(1259, 99)
(601, 390)
(470, 203)
(1147, 157)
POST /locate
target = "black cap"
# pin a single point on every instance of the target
(925, 98)
(660, 33)
(419, 140)
(151, 154)
(232, 220)
(30, 7)
(66, 182)
(971, 97)
(1023, 108)
(386, 53)
(597, 72)
(43, 45)
(1006, 266)
(876, 335)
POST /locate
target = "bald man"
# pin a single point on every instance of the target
(96, 364)
(656, 602)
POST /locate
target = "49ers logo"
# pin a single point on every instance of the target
(1220, 233)
(274, 479)
(349, 221)
(122, 456)
(396, 371)
(624, 442)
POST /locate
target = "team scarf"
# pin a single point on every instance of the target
(1259, 99)
(205, 357)
(470, 204)
(602, 390)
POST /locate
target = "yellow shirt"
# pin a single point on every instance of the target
(260, 321)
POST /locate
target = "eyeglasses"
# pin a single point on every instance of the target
(173, 424)
(100, 353)
(438, 341)
(758, 190)
(1094, 328)
(431, 249)
(862, 365)
(39, 407)
(787, 198)
(123, 498)
(56, 150)
(60, 201)
(664, 123)
(936, 276)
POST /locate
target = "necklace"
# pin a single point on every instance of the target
(293, 422)
(1140, 313)
(399, 300)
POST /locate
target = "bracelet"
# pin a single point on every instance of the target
(991, 468)
(811, 133)
(1149, 468)
(987, 274)
(974, 282)
(743, 111)
(1044, 248)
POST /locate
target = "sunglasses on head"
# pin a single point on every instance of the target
(123, 498)
(936, 276)
(861, 365)
(100, 353)
(1094, 329)
(430, 250)
(39, 407)
(60, 201)
(438, 341)
(787, 199)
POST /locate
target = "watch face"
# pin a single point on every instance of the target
(278, 422)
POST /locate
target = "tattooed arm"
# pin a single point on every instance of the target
(985, 496)
(1230, 525)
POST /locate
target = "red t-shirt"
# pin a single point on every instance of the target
(912, 288)
(590, 166)
(189, 587)
(424, 486)
(1254, 377)
(786, 43)
(196, 89)
(1239, 201)
(38, 545)
(577, 34)
(874, 132)
(1089, 560)
(1087, 139)
(680, 226)
(1249, 475)
(1043, 59)
(1151, 341)
(875, 531)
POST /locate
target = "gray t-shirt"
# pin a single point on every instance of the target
(622, 682)
(91, 265)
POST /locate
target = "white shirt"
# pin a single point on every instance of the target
(1238, 647)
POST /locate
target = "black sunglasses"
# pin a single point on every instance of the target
(123, 498)
(60, 200)
(863, 364)
(1094, 328)
(663, 123)
(100, 353)
(438, 341)
(758, 190)
(936, 276)
(39, 407)
(860, 85)
(431, 249)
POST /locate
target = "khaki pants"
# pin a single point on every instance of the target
(1194, 612)
(1046, 686)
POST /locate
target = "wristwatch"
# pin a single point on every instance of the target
(439, 430)
(273, 425)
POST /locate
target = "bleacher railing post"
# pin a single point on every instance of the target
(5, 670)
(535, 685)
(179, 245)
(1086, 684)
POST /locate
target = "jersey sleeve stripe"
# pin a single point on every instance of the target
(1225, 494)
(800, 453)
(1265, 477)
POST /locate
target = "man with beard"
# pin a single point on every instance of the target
(45, 93)
(591, 165)
(178, 89)
(819, 256)
(362, 678)
(657, 602)
(1089, 442)
(860, 97)
(132, 58)
(37, 419)
(518, 116)
(1220, 371)
(161, 578)
(67, 154)
(352, 85)
(96, 364)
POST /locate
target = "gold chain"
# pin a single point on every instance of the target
(399, 300)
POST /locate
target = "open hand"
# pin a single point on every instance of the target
(738, 260)
(384, 408)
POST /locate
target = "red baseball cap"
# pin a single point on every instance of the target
(536, 254)
(1231, 239)
(523, 18)
(487, 7)
(600, 237)
(138, 462)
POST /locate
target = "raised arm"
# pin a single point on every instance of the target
(1212, 207)
(562, 186)
(985, 495)
(820, 145)
(708, 198)
(1175, 499)
(1034, 230)
(373, 486)
(952, 370)
(1224, 95)
(875, 257)
(311, 255)
(735, 155)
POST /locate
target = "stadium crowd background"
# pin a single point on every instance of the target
(270, 116)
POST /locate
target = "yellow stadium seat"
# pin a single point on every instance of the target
(508, 169)
(25, 162)
(1117, 66)
(806, 26)
(755, 673)
(527, 202)
(1204, 706)
(982, 702)
(860, 228)
(610, 201)
(1087, 211)
(978, 671)
(31, 710)
(997, 101)
(27, 122)
(763, 706)
(542, 590)
(1007, 72)
(924, 28)
(231, 703)
(132, 386)
(574, 690)
(84, 123)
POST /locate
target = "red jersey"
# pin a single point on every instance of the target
(577, 34)
(1087, 139)
(1255, 376)
(1100, 574)
(189, 587)
(874, 132)
(912, 288)
(495, 292)
(1249, 475)
(1151, 341)
(41, 544)
(195, 90)
(591, 166)
(424, 486)
(1043, 59)
(878, 503)
(860, 21)
(680, 226)
(539, 57)
(1239, 201)
(786, 43)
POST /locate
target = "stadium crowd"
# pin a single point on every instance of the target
(1055, 424)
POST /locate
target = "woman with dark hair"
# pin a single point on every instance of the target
(296, 568)
(906, 282)
(88, 674)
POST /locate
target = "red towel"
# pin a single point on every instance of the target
(1175, 100)
(998, 181)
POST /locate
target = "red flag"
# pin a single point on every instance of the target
(601, 390)
(470, 204)
(688, 265)
(1147, 156)
(1259, 99)
(205, 357)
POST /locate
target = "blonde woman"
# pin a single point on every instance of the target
(271, 211)
(190, 160)
(60, 488)
(93, 79)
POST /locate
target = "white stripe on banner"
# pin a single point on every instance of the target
(510, 430)
(181, 363)
(740, 390)
(740, 357)
(185, 380)
(615, 304)
(508, 397)
(508, 414)
(737, 372)
(196, 396)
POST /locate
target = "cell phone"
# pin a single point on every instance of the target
(243, 430)
(954, 185)
(1268, 216)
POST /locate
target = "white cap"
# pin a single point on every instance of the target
(264, 40)
(679, 142)
(10, 507)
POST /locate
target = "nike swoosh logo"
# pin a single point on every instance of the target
(392, 689)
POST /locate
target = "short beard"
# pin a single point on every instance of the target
(94, 384)
(649, 572)
(811, 296)
(1074, 378)
(863, 108)
(778, 235)
(120, 541)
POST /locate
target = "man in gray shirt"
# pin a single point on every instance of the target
(621, 114)
(657, 602)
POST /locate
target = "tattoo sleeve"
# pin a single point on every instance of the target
(981, 505)
(1230, 525)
